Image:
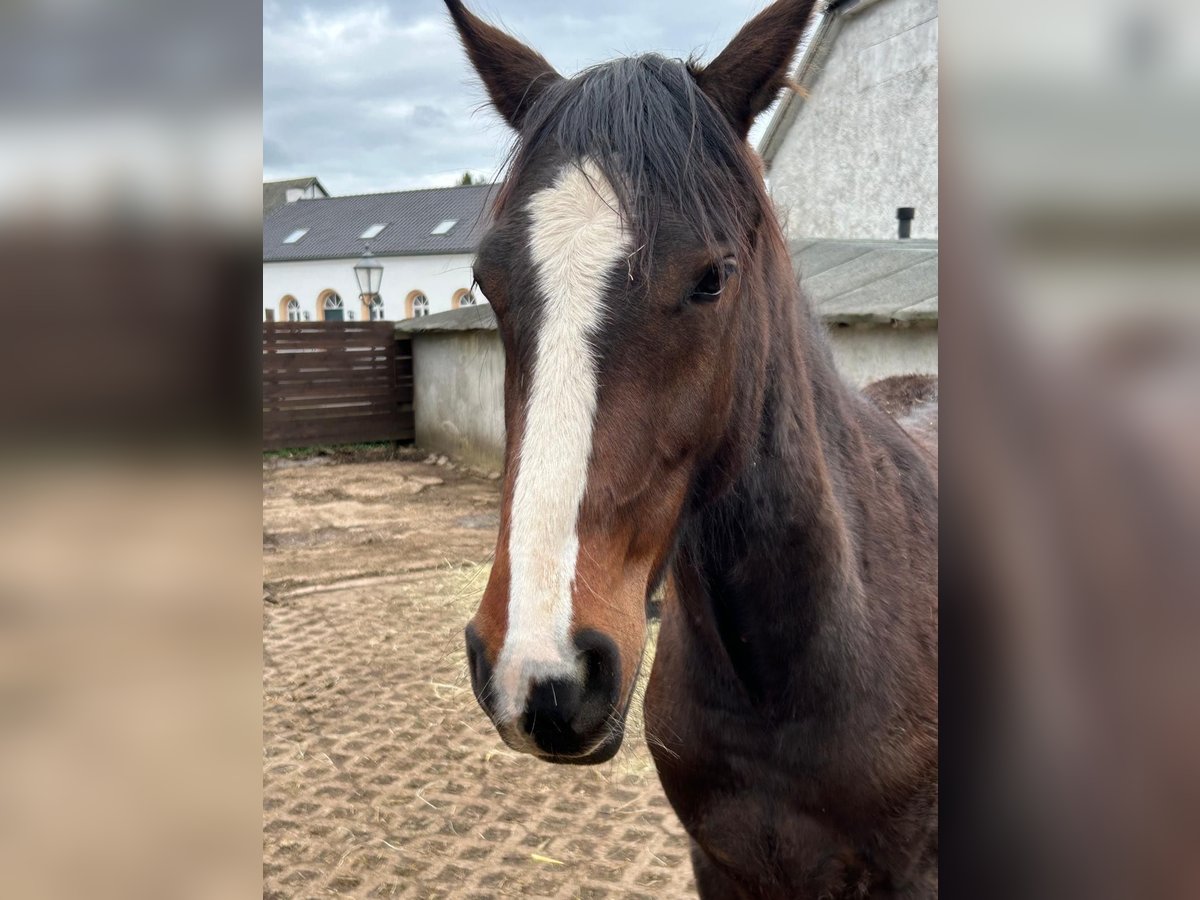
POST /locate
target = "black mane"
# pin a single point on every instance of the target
(661, 143)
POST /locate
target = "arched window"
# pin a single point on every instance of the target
(463, 298)
(371, 307)
(289, 309)
(416, 305)
(330, 308)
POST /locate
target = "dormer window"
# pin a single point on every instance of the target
(444, 226)
(373, 231)
(295, 235)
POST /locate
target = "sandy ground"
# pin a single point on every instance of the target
(382, 778)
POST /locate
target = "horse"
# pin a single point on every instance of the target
(674, 416)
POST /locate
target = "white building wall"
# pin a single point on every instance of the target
(437, 277)
(865, 142)
(864, 354)
(312, 192)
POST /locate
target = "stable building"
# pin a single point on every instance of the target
(852, 167)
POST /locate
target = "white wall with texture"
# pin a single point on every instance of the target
(865, 142)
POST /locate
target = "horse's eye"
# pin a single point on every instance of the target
(712, 283)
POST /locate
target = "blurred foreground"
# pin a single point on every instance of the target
(129, 493)
(130, 498)
(1071, 449)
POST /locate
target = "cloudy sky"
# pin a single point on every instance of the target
(375, 95)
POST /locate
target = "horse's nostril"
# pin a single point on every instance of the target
(602, 669)
(477, 666)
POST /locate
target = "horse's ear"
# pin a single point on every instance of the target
(513, 74)
(748, 74)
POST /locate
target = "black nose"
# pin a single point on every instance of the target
(481, 671)
(570, 717)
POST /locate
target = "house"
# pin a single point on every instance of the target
(276, 193)
(852, 166)
(425, 239)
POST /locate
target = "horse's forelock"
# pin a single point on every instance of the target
(660, 142)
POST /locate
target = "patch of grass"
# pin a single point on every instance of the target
(373, 451)
(325, 450)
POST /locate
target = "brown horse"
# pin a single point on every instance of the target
(673, 412)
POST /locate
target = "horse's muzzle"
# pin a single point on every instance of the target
(565, 720)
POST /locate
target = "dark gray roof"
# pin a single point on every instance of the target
(335, 223)
(275, 192)
(891, 283)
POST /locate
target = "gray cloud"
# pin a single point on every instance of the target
(274, 156)
(373, 96)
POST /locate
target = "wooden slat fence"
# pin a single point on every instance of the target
(335, 383)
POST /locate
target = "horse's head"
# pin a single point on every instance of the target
(626, 239)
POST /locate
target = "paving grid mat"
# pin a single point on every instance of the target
(382, 778)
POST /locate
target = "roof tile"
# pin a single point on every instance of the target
(335, 223)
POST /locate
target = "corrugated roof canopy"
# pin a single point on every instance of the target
(335, 224)
(872, 282)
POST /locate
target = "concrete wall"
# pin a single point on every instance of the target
(438, 277)
(459, 381)
(459, 395)
(868, 353)
(866, 140)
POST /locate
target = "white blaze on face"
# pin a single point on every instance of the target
(576, 238)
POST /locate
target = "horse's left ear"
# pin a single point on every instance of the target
(748, 74)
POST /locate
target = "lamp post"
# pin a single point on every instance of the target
(369, 273)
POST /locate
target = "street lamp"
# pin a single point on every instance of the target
(369, 272)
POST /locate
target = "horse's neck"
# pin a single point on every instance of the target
(771, 567)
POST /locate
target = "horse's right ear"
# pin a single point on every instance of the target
(748, 75)
(513, 74)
